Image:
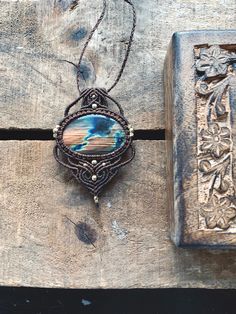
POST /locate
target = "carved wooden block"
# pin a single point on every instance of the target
(200, 81)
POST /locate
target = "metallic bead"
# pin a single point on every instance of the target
(104, 164)
(94, 162)
(94, 177)
(95, 199)
(56, 128)
(94, 106)
(85, 165)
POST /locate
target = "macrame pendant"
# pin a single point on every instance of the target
(95, 141)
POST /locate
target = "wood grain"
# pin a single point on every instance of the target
(50, 233)
(36, 35)
(130, 232)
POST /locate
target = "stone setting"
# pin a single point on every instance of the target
(94, 142)
(94, 134)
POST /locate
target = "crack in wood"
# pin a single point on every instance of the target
(47, 134)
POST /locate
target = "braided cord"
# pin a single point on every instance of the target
(101, 17)
(128, 47)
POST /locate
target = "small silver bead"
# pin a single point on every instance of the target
(94, 177)
(94, 106)
(95, 199)
(56, 129)
(104, 164)
(131, 134)
(84, 164)
(94, 162)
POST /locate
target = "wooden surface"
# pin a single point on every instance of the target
(38, 244)
(36, 35)
(202, 213)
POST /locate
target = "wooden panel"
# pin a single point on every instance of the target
(35, 35)
(200, 97)
(38, 245)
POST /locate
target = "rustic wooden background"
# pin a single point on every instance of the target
(39, 246)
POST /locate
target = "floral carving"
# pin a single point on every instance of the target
(220, 213)
(213, 61)
(215, 175)
(216, 74)
(216, 140)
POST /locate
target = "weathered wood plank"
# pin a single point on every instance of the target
(38, 245)
(35, 35)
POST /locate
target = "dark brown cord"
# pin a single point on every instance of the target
(89, 38)
(128, 47)
(127, 50)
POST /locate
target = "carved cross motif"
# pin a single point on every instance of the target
(215, 83)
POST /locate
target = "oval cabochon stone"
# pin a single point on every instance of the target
(94, 134)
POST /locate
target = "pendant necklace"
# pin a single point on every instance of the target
(95, 141)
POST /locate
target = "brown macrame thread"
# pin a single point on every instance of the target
(96, 170)
(100, 19)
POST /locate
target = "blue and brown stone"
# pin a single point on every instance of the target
(94, 134)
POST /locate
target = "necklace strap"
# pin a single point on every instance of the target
(101, 17)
